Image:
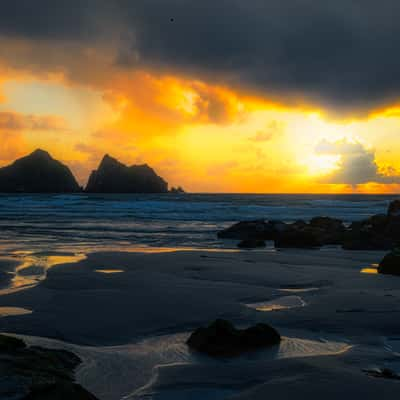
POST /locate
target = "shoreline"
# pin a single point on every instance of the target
(130, 319)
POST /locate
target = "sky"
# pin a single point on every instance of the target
(257, 96)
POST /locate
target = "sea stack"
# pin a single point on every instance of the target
(37, 173)
(115, 177)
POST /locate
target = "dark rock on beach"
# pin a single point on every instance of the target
(37, 173)
(259, 229)
(10, 343)
(328, 230)
(298, 238)
(385, 373)
(321, 230)
(60, 391)
(390, 263)
(251, 243)
(33, 373)
(394, 209)
(221, 338)
(378, 232)
(115, 177)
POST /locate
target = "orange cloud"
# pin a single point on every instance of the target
(200, 134)
(13, 121)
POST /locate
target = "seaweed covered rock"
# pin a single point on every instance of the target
(390, 263)
(60, 391)
(36, 373)
(10, 343)
(221, 338)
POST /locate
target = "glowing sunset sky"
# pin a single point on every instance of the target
(217, 95)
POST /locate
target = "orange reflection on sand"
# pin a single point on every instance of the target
(33, 269)
(369, 270)
(109, 271)
(8, 311)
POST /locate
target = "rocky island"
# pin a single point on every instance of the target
(37, 173)
(114, 177)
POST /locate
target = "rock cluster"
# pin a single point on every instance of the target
(378, 232)
(221, 338)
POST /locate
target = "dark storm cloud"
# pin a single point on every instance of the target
(339, 52)
(44, 19)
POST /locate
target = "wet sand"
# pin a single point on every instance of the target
(130, 326)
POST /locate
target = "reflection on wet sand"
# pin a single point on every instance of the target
(8, 311)
(109, 271)
(372, 269)
(132, 370)
(34, 266)
(281, 303)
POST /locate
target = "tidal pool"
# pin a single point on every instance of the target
(280, 303)
(109, 271)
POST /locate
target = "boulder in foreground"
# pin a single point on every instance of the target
(391, 263)
(36, 373)
(37, 173)
(115, 177)
(221, 338)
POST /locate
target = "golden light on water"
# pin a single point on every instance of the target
(196, 134)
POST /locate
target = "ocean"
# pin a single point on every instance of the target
(84, 223)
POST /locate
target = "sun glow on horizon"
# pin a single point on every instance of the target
(322, 164)
(201, 136)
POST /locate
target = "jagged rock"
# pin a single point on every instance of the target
(36, 373)
(251, 244)
(391, 263)
(37, 173)
(115, 177)
(221, 338)
(177, 190)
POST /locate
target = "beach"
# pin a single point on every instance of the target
(128, 315)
